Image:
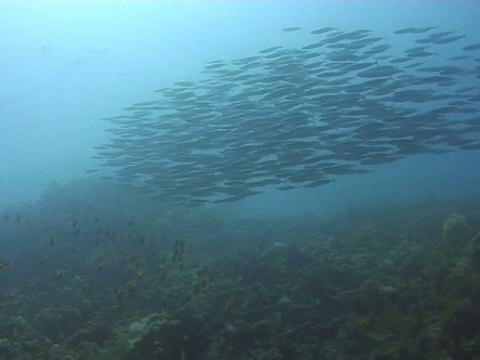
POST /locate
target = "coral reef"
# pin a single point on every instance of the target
(393, 282)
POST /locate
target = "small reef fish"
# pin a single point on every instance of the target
(3, 264)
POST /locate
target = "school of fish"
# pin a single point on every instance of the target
(299, 117)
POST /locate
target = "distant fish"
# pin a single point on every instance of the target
(228, 306)
(214, 65)
(317, 183)
(416, 49)
(184, 83)
(60, 274)
(291, 116)
(286, 187)
(269, 49)
(378, 49)
(53, 239)
(3, 264)
(459, 57)
(472, 47)
(448, 40)
(420, 54)
(413, 30)
(434, 38)
(322, 30)
(313, 46)
(379, 71)
(291, 28)
(100, 266)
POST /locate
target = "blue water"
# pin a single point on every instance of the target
(64, 66)
(383, 265)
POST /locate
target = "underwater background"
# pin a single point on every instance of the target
(239, 180)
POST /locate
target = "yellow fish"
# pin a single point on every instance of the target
(3, 264)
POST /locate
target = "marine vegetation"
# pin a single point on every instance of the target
(126, 278)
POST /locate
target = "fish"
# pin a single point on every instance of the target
(60, 274)
(447, 40)
(291, 28)
(323, 30)
(413, 30)
(471, 47)
(379, 71)
(269, 49)
(100, 266)
(228, 307)
(419, 54)
(4, 263)
(317, 183)
(291, 117)
(53, 239)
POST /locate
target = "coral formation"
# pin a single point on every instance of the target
(368, 284)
